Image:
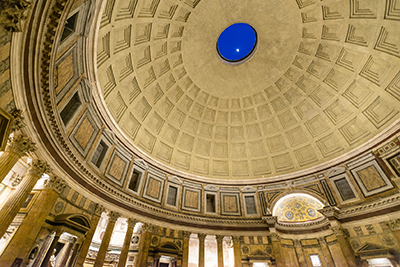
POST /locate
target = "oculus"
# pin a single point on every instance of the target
(237, 43)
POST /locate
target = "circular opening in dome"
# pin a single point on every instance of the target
(237, 43)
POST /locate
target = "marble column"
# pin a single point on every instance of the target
(144, 245)
(16, 148)
(50, 251)
(220, 250)
(185, 256)
(276, 247)
(70, 244)
(101, 255)
(16, 200)
(74, 255)
(89, 236)
(156, 261)
(300, 253)
(24, 238)
(326, 252)
(236, 251)
(345, 246)
(201, 237)
(127, 242)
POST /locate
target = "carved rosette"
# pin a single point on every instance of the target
(99, 209)
(55, 183)
(219, 238)
(38, 168)
(132, 222)
(186, 234)
(201, 236)
(20, 144)
(113, 216)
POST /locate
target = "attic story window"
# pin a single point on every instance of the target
(237, 43)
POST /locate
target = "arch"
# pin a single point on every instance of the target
(297, 208)
(168, 246)
(297, 191)
(78, 222)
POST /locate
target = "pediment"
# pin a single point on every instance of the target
(335, 171)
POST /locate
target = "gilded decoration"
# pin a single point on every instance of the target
(298, 208)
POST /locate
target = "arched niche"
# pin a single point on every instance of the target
(297, 208)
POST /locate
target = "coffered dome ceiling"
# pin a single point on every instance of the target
(324, 80)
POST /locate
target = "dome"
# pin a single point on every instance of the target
(318, 87)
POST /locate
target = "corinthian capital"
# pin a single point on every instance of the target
(18, 122)
(113, 216)
(201, 236)
(186, 234)
(236, 239)
(132, 222)
(55, 183)
(38, 168)
(20, 145)
(99, 209)
(219, 238)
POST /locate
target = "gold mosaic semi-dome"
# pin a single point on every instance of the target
(297, 208)
(318, 86)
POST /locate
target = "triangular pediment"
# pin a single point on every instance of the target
(368, 247)
(335, 171)
(258, 253)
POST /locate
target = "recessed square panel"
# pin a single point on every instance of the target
(371, 178)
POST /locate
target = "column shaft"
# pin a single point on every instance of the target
(201, 237)
(45, 262)
(220, 250)
(127, 241)
(236, 251)
(276, 246)
(185, 256)
(326, 252)
(345, 247)
(67, 254)
(24, 238)
(74, 255)
(16, 200)
(101, 255)
(89, 236)
(300, 253)
(145, 240)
